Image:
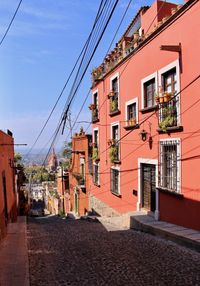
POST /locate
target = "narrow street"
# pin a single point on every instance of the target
(78, 252)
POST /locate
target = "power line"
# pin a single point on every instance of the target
(72, 96)
(8, 28)
(69, 77)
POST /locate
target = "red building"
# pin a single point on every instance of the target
(77, 199)
(145, 111)
(8, 209)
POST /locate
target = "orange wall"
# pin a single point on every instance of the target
(7, 154)
(79, 143)
(144, 62)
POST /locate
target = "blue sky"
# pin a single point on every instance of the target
(37, 56)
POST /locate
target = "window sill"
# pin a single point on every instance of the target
(136, 126)
(149, 109)
(116, 194)
(116, 162)
(113, 113)
(172, 193)
(171, 129)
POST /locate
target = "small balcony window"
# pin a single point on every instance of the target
(114, 97)
(114, 151)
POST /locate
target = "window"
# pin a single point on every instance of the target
(170, 81)
(169, 109)
(96, 137)
(149, 87)
(149, 93)
(95, 110)
(96, 174)
(81, 180)
(170, 160)
(114, 153)
(131, 112)
(115, 181)
(114, 96)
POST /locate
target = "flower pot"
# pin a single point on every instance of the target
(161, 99)
(92, 106)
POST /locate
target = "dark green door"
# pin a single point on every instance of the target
(149, 187)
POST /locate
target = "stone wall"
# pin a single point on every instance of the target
(100, 208)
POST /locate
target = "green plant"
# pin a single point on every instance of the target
(113, 105)
(95, 154)
(167, 122)
(113, 154)
(94, 113)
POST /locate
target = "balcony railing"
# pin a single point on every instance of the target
(168, 114)
(114, 102)
(95, 114)
(95, 153)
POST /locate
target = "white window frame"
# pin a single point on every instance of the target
(119, 183)
(116, 75)
(178, 140)
(145, 80)
(165, 69)
(111, 126)
(93, 93)
(127, 103)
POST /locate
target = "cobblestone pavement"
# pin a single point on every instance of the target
(77, 252)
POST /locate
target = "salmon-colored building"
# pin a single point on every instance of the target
(8, 209)
(76, 201)
(145, 112)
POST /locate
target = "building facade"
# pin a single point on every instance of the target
(145, 110)
(76, 201)
(8, 207)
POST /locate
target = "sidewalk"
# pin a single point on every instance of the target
(181, 235)
(14, 265)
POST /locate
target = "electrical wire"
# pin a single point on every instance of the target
(9, 26)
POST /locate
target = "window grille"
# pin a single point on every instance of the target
(115, 181)
(96, 174)
(169, 165)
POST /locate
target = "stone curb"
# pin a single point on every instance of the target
(167, 231)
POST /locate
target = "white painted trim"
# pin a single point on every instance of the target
(178, 140)
(139, 202)
(118, 168)
(165, 69)
(127, 103)
(146, 79)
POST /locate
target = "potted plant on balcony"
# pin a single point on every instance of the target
(132, 121)
(94, 113)
(95, 154)
(111, 94)
(113, 105)
(113, 153)
(167, 96)
(168, 121)
(92, 106)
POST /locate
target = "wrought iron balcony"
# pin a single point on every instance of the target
(114, 103)
(114, 153)
(168, 114)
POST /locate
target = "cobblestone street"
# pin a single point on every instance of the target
(78, 252)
